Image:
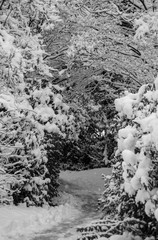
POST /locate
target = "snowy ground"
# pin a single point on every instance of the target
(21, 223)
(78, 193)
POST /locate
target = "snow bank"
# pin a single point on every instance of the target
(21, 223)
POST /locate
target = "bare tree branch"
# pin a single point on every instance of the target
(143, 3)
(2, 3)
(135, 5)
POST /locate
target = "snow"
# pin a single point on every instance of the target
(155, 95)
(156, 214)
(21, 222)
(6, 42)
(90, 180)
(154, 131)
(125, 104)
(149, 207)
(149, 95)
(52, 127)
(125, 236)
(65, 107)
(126, 138)
(128, 188)
(135, 182)
(57, 100)
(123, 133)
(146, 140)
(156, 83)
(142, 196)
(129, 157)
(40, 181)
(145, 122)
(44, 112)
(7, 101)
(142, 29)
(57, 87)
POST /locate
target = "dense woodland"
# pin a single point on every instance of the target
(79, 90)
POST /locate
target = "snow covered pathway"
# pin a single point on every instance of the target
(81, 190)
(77, 205)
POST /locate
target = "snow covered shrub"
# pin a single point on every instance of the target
(136, 160)
(33, 112)
(22, 154)
(58, 122)
(31, 123)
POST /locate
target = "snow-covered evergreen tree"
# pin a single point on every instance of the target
(31, 108)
